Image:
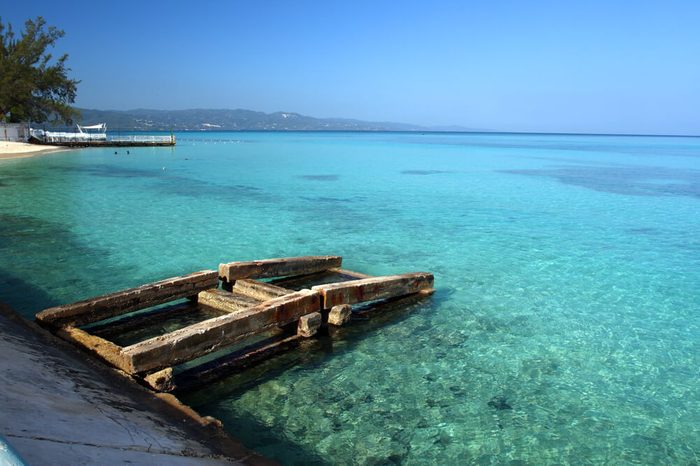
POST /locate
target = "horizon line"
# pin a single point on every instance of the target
(533, 133)
(427, 129)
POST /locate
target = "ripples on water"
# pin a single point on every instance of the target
(565, 327)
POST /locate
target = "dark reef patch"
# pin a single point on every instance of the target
(193, 188)
(423, 172)
(626, 180)
(110, 171)
(328, 200)
(76, 269)
(173, 184)
(320, 177)
(647, 231)
(499, 402)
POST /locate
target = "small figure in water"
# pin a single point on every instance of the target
(115, 152)
(127, 152)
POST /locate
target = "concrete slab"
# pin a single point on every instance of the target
(59, 407)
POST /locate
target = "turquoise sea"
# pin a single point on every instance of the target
(566, 324)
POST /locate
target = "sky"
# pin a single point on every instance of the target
(593, 66)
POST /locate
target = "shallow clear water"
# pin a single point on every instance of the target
(565, 328)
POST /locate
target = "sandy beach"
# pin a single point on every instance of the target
(11, 150)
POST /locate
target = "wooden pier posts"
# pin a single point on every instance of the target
(340, 314)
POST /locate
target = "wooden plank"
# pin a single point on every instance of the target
(122, 302)
(371, 289)
(226, 301)
(104, 349)
(260, 290)
(213, 334)
(280, 267)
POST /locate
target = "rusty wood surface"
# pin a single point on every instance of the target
(104, 349)
(280, 267)
(371, 289)
(122, 302)
(259, 290)
(214, 334)
(227, 301)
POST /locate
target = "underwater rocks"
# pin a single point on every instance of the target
(500, 403)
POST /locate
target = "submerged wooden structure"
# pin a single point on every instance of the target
(235, 304)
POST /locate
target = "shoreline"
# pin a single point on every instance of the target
(19, 150)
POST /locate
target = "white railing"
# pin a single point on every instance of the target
(77, 138)
(142, 138)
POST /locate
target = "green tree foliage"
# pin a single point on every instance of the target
(32, 86)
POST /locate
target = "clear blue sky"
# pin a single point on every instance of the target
(560, 66)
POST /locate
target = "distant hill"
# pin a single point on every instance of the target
(228, 120)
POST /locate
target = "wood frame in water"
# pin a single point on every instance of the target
(304, 292)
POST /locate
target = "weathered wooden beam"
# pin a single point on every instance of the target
(260, 290)
(227, 301)
(213, 334)
(371, 289)
(281, 267)
(122, 302)
(104, 349)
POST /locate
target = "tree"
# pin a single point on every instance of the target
(32, 87)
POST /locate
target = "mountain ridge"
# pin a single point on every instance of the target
(201, 119)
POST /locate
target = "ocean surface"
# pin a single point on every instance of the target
(566, 324)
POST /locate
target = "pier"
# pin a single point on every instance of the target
(242, 313)
(117, 141)
(96, 136)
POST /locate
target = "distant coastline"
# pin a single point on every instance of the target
(349, 131)
(240, 120)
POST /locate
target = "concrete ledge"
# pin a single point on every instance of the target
(59, 407)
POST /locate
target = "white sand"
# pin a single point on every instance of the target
(10, 150)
